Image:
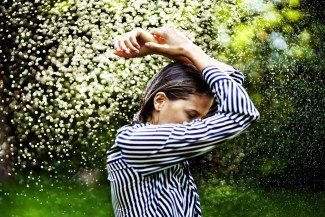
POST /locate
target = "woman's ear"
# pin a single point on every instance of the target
(159, 100)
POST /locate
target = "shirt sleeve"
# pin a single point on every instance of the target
(235, 74)
(150, 148)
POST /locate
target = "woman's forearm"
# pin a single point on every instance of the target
(198, 57)
(196, 54)
(168, 42)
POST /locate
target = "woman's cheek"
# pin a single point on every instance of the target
(183, 117)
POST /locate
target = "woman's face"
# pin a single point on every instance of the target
(179, 111)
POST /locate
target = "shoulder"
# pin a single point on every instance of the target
(150, 130)
(137, 127)
(125, 128)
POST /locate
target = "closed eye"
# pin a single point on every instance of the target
(192, 115)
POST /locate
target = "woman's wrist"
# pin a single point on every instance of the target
(198, 57)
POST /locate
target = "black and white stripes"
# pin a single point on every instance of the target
(147, 164)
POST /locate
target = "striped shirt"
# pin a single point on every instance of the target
(147, 165)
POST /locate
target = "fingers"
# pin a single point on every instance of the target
(128, 47)
(164, 41)
(123, 47)
(160, 39)
(130, 44)
(162, 32)
(160, 48)
(120, 53)
(127, 44)
(134, 42)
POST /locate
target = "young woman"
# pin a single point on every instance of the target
(147, 165)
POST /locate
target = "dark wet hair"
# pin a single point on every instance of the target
(178, 81)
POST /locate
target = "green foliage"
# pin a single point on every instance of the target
(54, 198)
(60, 197)
(66, 93)
(278, 46)
(238, 201)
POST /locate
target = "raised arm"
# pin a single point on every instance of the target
(132, 45)
(148, 148)
(168, 42)
(177, 44)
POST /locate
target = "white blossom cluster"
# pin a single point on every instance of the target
(67, 93)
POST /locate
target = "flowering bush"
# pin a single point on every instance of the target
(65, 93)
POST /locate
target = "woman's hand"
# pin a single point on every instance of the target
(132, 43)
(175, 43)
(168, 42)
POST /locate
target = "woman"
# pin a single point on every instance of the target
(147, 165)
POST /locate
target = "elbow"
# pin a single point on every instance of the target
(248, 118)
(252, 112)
(254, 116)
(257, 116)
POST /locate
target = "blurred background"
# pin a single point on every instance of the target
(64, 94)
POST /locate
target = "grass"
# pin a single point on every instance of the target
(64, 199)
(51, 199)
(248, 202)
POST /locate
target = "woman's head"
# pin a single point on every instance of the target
(178, 93)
